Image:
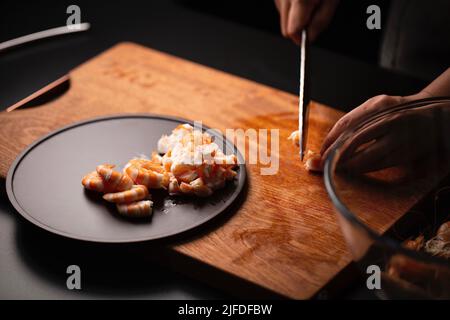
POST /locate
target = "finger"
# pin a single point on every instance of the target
(299, 16)
(321, 18)
(364, 136)
(362, 112)
(398, 127)
(382, 154)
(277, 4)
(283, 7)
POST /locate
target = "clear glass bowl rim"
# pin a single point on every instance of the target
(347, 214)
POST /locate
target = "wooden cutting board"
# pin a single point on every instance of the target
(284, 238)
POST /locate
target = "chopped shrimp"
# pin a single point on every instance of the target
(197, 163)
(136, 193)
(196, 187)
(313, 162)
(174, 186)
(295, 137)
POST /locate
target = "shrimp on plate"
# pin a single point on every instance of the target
(114, 180)
(187, 162)
(141, 208)
(136, 193)
(92, 181)
(105, 179)
(197, 165)
(131, 200)
(147, 173)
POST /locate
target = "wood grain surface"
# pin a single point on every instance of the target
(285, 236)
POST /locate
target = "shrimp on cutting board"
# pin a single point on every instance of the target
(313, 161)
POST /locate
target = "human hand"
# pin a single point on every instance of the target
(396, 139)
(373, 105)
(394, 133)
(295, 15)
(368, 149)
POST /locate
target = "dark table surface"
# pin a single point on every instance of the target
(32, 262)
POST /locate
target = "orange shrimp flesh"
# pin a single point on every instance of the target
(141, 208)
(93, 181)
(136, 193)
(147, 173)
(174, 186)
(114, 180)
(313, 162)
(196, 187)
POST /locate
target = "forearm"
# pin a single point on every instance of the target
(439, 87)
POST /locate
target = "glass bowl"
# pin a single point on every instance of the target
(388, 179)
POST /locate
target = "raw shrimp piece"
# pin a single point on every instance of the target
(174, 186)
(93, 181)
(141, 208)
(114, 180)
(313, 162)
(136, 193)
(147, 173)
(295, 137)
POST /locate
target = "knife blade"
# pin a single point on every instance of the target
(304, 97)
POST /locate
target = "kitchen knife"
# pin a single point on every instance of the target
(304, 97)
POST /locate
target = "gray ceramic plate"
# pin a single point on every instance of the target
(44, 182)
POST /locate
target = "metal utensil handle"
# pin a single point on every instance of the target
(44, 34)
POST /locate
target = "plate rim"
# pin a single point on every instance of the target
(242, 177)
